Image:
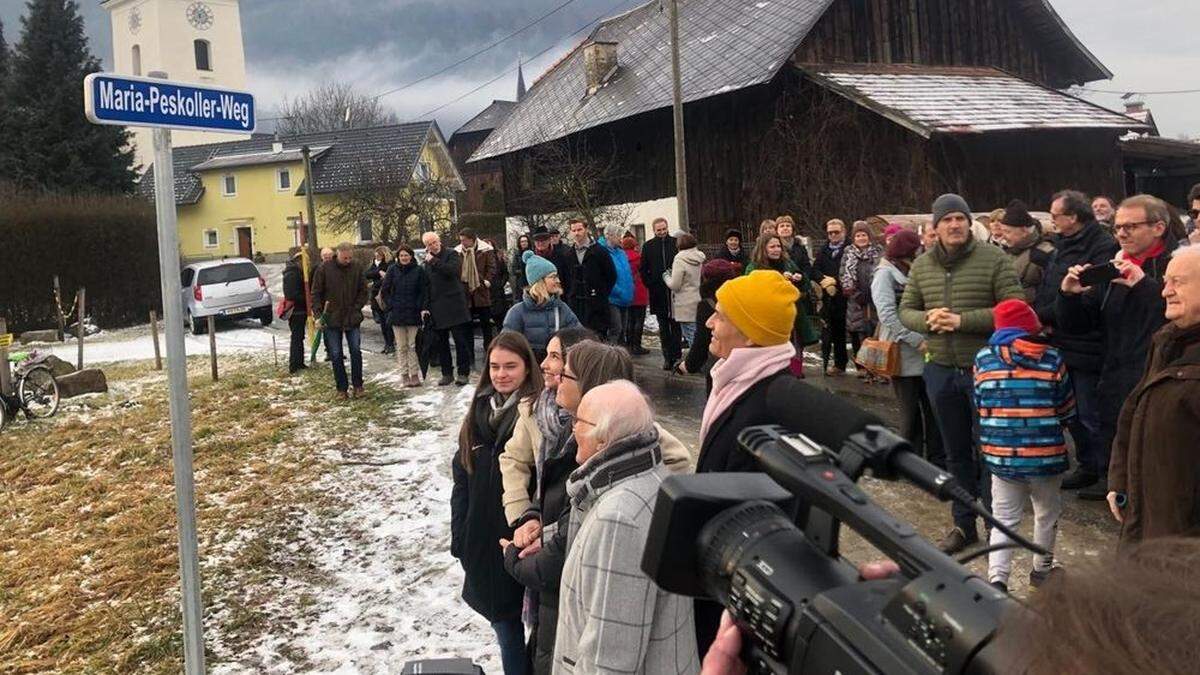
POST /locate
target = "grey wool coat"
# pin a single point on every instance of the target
(611, 617)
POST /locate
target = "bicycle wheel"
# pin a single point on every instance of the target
(4, 414)
(38, 392)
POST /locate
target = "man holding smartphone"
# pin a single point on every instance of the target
(1123, 300)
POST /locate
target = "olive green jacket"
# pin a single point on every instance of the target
(969, 283)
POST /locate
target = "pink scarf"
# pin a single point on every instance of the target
(733, 376)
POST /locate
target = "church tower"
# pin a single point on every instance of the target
(194, 41)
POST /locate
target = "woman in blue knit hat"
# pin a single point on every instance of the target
(541, 312)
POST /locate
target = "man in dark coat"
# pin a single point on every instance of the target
(658, 254)
(733, 251)
(1127, 312)
(592, 278)
(448, 306)
(293, 292)
(479, 268)
(834, 306)
(339, 292)
(1080, 241)
(559, 254)
(1154, 475)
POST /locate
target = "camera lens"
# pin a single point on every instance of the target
(724, 541)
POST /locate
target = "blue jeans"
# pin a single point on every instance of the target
(688, 330)
(333, 341)
(1091, 451)
(952, 393)
(510, 633)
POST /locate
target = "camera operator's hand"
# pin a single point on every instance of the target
(524, 535)
(880, 569)
(1116, 510)
(723, 657)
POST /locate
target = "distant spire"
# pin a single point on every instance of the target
(520, 82)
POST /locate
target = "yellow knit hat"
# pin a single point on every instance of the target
(762, 305)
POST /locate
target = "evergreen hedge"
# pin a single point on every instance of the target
(107, 244)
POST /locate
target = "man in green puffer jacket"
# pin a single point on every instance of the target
(951, 292)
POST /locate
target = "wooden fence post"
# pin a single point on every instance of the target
(212, 345)
(79, 326)
(154, 334)
(5, 373)
(58, 312)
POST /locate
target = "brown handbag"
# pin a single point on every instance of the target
(879, 357)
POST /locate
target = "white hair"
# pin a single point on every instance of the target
(1186, 251)
(613, 233)
(624, 411)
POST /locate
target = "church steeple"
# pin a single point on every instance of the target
(520, 82)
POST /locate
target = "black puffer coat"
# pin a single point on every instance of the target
(406, 291)
(477, 522)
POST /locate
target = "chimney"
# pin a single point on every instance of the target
(599, 64)
(277, 147)
(1134, 107)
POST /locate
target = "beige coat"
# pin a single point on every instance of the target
(685, 284)
(517, 460)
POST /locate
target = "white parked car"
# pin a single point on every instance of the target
(228, 289)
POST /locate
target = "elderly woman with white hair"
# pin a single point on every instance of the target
(611, 616)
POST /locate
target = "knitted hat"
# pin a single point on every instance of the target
(947, 204)
(1017, 215)
(903, 246)
(1017, 314)
(762, 305)
(894, 228)
(537, 267)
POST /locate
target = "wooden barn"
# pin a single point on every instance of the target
(821, 109)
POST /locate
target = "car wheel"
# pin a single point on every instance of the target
(197, 327)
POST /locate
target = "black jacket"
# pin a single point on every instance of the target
(516, 268)
(741, 257)
(1083, 349)
(721, 453)
(499, 279)
(829, 264)
(594, 277)
(657, 257)
(477, 522)
(543, 571)
(1126, 318)
(699, 359)
(406, 291)
(799, 255)
(293, 286)
(447, 295)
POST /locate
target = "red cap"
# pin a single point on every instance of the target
(1017, 314)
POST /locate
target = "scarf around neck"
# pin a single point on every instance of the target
(470, 273)
(1158, 249)
(554, 423)
(733, 376)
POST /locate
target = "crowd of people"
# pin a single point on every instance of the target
(1008, 339)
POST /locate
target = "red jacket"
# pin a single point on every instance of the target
(641, 296)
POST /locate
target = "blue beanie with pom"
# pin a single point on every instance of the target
(537, 267)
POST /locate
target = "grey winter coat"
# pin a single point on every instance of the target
(887, 287)
(685, 284)
(611, 616)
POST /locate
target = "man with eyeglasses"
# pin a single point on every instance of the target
(1127, 311)
(1193, 224)
(1080, 241)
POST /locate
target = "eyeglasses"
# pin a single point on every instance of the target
(1130, 227)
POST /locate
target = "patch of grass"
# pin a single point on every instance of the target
(88, 557)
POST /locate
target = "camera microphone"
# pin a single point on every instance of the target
(835, 424)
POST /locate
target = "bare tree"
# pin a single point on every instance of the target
(332, 106)
(399, 204)
(571, 178)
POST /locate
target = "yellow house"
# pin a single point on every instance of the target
(245, 198)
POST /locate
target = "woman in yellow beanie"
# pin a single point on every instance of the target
(751, 336)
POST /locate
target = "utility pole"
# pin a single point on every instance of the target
(308, 197)
(681, 192)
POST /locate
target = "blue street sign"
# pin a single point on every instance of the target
(147, 102)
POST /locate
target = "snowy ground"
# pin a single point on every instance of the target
(388, 589)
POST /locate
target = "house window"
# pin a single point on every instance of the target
(203, 55)
(364, 229)
(229, 185)
(423, 171)
(136, 59)
(210, 239)
(285, 179)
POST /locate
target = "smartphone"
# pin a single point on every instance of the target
(1100, 274)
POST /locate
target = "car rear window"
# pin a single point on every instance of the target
(227, 273)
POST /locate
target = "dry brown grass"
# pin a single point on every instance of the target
(88, 559)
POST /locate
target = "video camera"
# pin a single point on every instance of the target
(765, 545)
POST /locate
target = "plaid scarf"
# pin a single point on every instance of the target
(554, 423)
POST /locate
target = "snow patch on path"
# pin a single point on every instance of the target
(389, 589)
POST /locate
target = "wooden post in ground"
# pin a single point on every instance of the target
(62, 320)
(5, 374)
(79, 327)
(275, 352)
(212, 345)
(154, 334)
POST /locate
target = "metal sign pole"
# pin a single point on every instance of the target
(181, 419)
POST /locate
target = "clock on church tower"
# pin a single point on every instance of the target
(198, 41)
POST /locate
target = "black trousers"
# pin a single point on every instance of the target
(297, 323)
(834, 337)
(635, 323)
(671, 338)
(482, 316)
(593, 313)
(917, 423)
(462, 349)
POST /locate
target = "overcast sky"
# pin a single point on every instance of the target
(378, 45)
